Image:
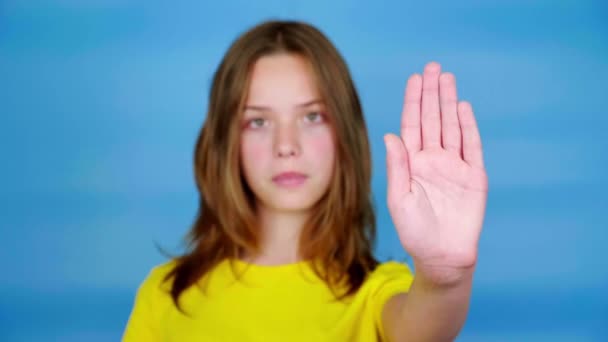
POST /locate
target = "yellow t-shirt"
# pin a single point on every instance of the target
(268, 303)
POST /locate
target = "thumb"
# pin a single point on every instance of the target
(397, 166)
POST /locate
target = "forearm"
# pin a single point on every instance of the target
(436, 312)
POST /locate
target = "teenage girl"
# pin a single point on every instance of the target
(281, 249)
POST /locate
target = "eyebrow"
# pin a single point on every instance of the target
(301, 105)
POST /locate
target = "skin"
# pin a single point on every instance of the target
(284, 128)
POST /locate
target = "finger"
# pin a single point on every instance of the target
(410, 115)
(450, 127)
(397, 166)
(431, 119)
(471, 140)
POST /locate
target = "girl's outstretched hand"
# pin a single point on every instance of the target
(437, 183)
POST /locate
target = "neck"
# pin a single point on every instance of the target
(280, 236)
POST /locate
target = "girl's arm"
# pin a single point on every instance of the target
(437, 192)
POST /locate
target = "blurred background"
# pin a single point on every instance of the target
(101, 103)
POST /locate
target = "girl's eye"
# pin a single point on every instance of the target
(314, 116)
(257, 122)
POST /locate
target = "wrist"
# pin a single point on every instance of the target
(442, 277)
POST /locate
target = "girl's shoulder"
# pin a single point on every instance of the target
(388, 279)
(389, 273)
(155, 284)
(391, 267)
(159, 271)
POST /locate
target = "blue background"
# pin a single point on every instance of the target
(101, 103)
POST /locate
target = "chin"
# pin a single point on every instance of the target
(289, 206)
(292, 202)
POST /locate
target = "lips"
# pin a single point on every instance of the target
(289, 178)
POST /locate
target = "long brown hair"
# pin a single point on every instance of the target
(340, 234)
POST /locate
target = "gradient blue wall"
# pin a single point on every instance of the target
(101, 102)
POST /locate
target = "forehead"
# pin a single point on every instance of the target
(282, 80)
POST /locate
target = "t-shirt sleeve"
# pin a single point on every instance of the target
(388, 279)
(144, 322)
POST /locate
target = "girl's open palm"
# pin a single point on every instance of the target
(437, 183)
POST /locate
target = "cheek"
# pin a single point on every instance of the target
(254, 153)
(323, 145)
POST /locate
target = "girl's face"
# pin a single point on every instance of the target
(287, 149)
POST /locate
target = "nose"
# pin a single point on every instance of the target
(287, 141)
